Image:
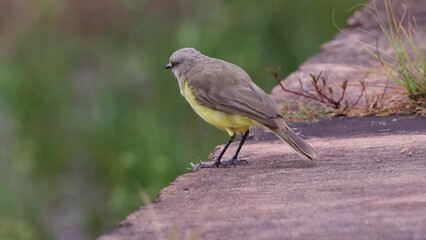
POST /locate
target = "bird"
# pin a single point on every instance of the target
(224, 95)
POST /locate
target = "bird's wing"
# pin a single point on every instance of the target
(226, 87)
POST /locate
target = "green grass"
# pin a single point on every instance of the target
(407, 64)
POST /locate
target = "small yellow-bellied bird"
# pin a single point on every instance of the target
(224, 95)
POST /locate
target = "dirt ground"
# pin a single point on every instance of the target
(368, 183)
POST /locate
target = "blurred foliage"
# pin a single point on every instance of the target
(88, 113)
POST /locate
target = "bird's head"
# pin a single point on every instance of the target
(181, 60)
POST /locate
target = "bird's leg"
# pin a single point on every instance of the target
(216, 162)
(234, 159)
(241, 144)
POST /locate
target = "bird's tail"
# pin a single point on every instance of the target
(285, 133)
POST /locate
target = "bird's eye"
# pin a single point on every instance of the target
(174, 63)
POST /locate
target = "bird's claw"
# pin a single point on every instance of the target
(212, 164)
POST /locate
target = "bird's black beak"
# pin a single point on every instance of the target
(168, 66)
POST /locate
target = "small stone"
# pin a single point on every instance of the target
(403, 150)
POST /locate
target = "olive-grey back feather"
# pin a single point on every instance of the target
(226, 87)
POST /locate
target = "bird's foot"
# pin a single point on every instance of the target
(222, 163)
(198, 166)
(234, 162)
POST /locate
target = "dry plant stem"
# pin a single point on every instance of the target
(363, 89)
(381, 62)
(322, 92)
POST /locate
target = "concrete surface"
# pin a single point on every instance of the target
(368, 183)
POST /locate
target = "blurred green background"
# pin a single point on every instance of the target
(88, 114)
